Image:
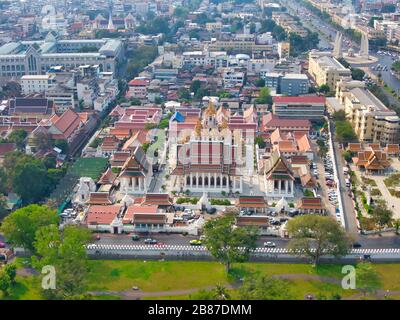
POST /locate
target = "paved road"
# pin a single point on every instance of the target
(370, 242)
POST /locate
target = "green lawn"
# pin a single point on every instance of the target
(156, 276)
(89, 167)
(26, 288)
(153, 275)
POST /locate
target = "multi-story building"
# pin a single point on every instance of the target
(326, 70)
(294, 84)
(37, 57)
(305, 107)
(291, 84)
(37, 83)
(371, 120)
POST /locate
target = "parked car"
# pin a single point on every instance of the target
(269, 244)
(150, 241)
(211, 211)
(2, 245)
(357, 245)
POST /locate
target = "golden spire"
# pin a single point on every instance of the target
(223, 124)
(211, 109)
(198, 128)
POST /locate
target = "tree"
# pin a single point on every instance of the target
(367, 279)
(184, 94)
(66, 251)
(260, 142)
(20, 226)
(345, 132)
(195, 86)
(259, 83)
(18, 137)
(228, 243)
(61, 144)
(5, 283)
(220, 293)
(264, 96)
(314, 236)
(50, 162)
(324, 89)
(11, 270)
(43, 141)
(347, 155)
(31, 173)
(264, 288)
(339, 115)
(382, 215)
(357, 74)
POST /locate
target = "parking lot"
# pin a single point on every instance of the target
(323, 171)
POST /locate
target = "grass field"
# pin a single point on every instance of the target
(89, 167)
(159, 276)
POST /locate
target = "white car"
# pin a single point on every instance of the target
(269, 244)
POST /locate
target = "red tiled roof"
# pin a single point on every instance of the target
(68, 123)
(138, 82)
(301, 99)
(102, 214)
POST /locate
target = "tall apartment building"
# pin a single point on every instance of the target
(325, 69)
(291, 84)
(371, 120)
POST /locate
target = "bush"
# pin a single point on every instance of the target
(220, 202)
(193, 200)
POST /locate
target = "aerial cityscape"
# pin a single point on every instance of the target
(200, 150)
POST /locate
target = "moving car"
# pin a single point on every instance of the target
(269, 244)
(150, 241)
(357, 245)
(135, 237)
(195, 242)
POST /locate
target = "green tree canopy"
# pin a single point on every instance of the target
(66, 251)
(314, 236)
(264, 96)
(18, 137)
(20, 226)
(367, 279)
(224, 240)
(357, 74)
(43, 141)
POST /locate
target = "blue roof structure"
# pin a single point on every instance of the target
(178, 117)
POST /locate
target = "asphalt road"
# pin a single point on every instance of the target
(370, 242)
(348, 207)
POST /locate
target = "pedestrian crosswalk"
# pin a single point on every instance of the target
(183, 248)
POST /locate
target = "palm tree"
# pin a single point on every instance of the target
(220, 293)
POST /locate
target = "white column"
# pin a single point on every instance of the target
(215, 180)
(241, 183)
(209, 180)
(140, 184)
(286, 186)
(191, 177)
(197, 179)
